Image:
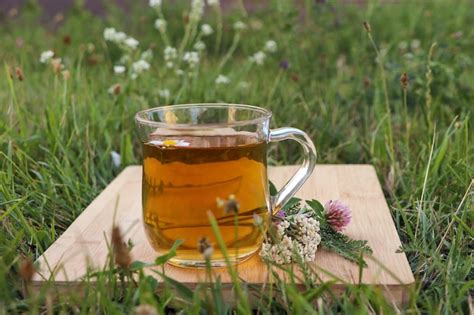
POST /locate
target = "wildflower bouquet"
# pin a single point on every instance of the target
(297, 230)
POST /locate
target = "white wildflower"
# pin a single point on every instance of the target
(299, 236)
(271, 46)
(120, 37)
(131, 42)
(169, 64)
(46, 56)
(206, 29)
(199, 45)
(119, 69)
(280, 253)
(147, 55)
(192, 58)
(239, 26)
(197, 9)
(165, 93)
(170, 53)
(179, 72)
(213, 2)
(160, 25)
(282, 226)
(109, 33)
(139, 67)
(116, 158)
(258, 57)
(308, 236)
(415, 44)
(222, 79)
(154, 3)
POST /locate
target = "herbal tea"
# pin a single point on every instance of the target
(184, 177)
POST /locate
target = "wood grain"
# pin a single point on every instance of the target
(84, 243)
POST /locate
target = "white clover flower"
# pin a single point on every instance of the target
(170, 53)
(46, 56)
(222, 79)
(169, 64)
(119, 69)
(131, 42)
(154, 3)
(213, 2)
(160, 25)
(240, 26)
(109, 33)
(271, 46)
(199, 45)
(116, 158)
(206, 29)
(147, 55)
(139, 67)
(165, 93)
(258, 58)
(192, 58)
(197, 9)
(179, 72)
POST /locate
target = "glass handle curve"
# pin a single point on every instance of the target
(305, 170)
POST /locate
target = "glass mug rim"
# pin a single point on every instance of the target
(265, 114)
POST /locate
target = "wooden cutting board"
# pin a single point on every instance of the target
(83, 243)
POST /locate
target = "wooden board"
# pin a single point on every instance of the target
(83, 243)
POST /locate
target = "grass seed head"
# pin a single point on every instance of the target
(367, 27)
(205, 247)
(404, 81)
(120, 250)
(19, 74)
(27, 269)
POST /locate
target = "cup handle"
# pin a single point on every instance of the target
(305, 170)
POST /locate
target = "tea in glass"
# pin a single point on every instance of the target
(184, 178)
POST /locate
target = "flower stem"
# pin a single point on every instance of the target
(219, 30)
(385, 91)
(163, 34)
(230, 52)
(405, 117)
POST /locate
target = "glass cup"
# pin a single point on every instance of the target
(201, 158)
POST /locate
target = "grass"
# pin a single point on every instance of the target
(56, 135)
